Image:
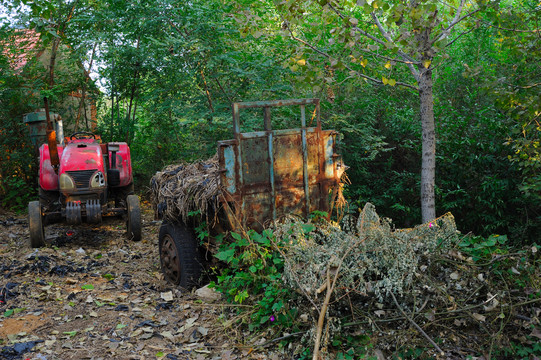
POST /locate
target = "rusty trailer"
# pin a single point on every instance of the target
(263, 175)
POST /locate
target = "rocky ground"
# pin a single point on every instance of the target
(93, 294)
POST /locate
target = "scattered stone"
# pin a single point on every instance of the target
(207, 294)
(167, 296)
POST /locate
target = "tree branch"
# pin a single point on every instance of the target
(412, 68)
(407, 62)
(513, 30)
(417, 326)
(459, 36)
(347, 67)
(447, 31)
(364, 33)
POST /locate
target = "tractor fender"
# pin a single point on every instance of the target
(48, 179)
(123, 163)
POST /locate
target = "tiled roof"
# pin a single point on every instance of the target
(22, 46)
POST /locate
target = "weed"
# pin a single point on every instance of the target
(480, 248)
(253, 274)
(18, 194)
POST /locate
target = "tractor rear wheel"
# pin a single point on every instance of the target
(134, 217)
(179, 255)
(50, 204)
(35, 225)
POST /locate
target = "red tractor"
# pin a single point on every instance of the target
(83, 181)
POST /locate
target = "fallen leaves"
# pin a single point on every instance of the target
(96, 295)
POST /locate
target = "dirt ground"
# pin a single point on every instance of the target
(90, 293)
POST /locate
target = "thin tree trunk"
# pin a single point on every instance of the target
(209, 99)
(428, 169)
(118, 114)
(83, 92)
(133, 120)
(112, 100)
(132, 95)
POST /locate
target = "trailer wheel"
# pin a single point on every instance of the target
(35, 225)
(179, 255)
(134, 217)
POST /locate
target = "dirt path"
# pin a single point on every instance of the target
(93, 294)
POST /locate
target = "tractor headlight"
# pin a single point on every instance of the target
(66, 182)
(98, 180)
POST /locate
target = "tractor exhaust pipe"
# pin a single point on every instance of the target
(59, 130)
(51, 138)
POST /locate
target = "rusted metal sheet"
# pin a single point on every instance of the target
(271, 173)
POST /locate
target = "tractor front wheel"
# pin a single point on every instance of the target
(35, 225)
(134, 217)
(179, 255)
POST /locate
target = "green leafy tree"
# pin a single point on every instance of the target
(517, 33)
(383, 42)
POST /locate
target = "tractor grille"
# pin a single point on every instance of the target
(81, 178)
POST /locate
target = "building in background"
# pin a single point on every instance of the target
(74, 92)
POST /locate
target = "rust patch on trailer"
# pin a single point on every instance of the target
(271, 173)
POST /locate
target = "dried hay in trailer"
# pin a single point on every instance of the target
(184, 189)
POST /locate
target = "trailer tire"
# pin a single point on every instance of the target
(134, 218)
(35, 225)
(180, 258)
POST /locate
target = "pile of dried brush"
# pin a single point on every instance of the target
(183, 189)
(408, 289)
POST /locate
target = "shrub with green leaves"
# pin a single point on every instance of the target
(253, 275)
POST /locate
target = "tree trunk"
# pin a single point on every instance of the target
(428, 169)
(82, 106)
(111, 127)
(132, 95)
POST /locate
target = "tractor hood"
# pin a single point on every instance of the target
(82, 155)
(82, 168)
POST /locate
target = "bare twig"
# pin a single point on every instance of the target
(330, 289)
(417, 326)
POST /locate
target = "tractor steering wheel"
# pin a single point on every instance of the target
(80, 134)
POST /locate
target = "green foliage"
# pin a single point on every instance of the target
(531, 348)
(493, 250)
(253, 276)
(17, 193)
(380, 145)
(13, 311)
(351, 347)
(480, 248)
(17, 157)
